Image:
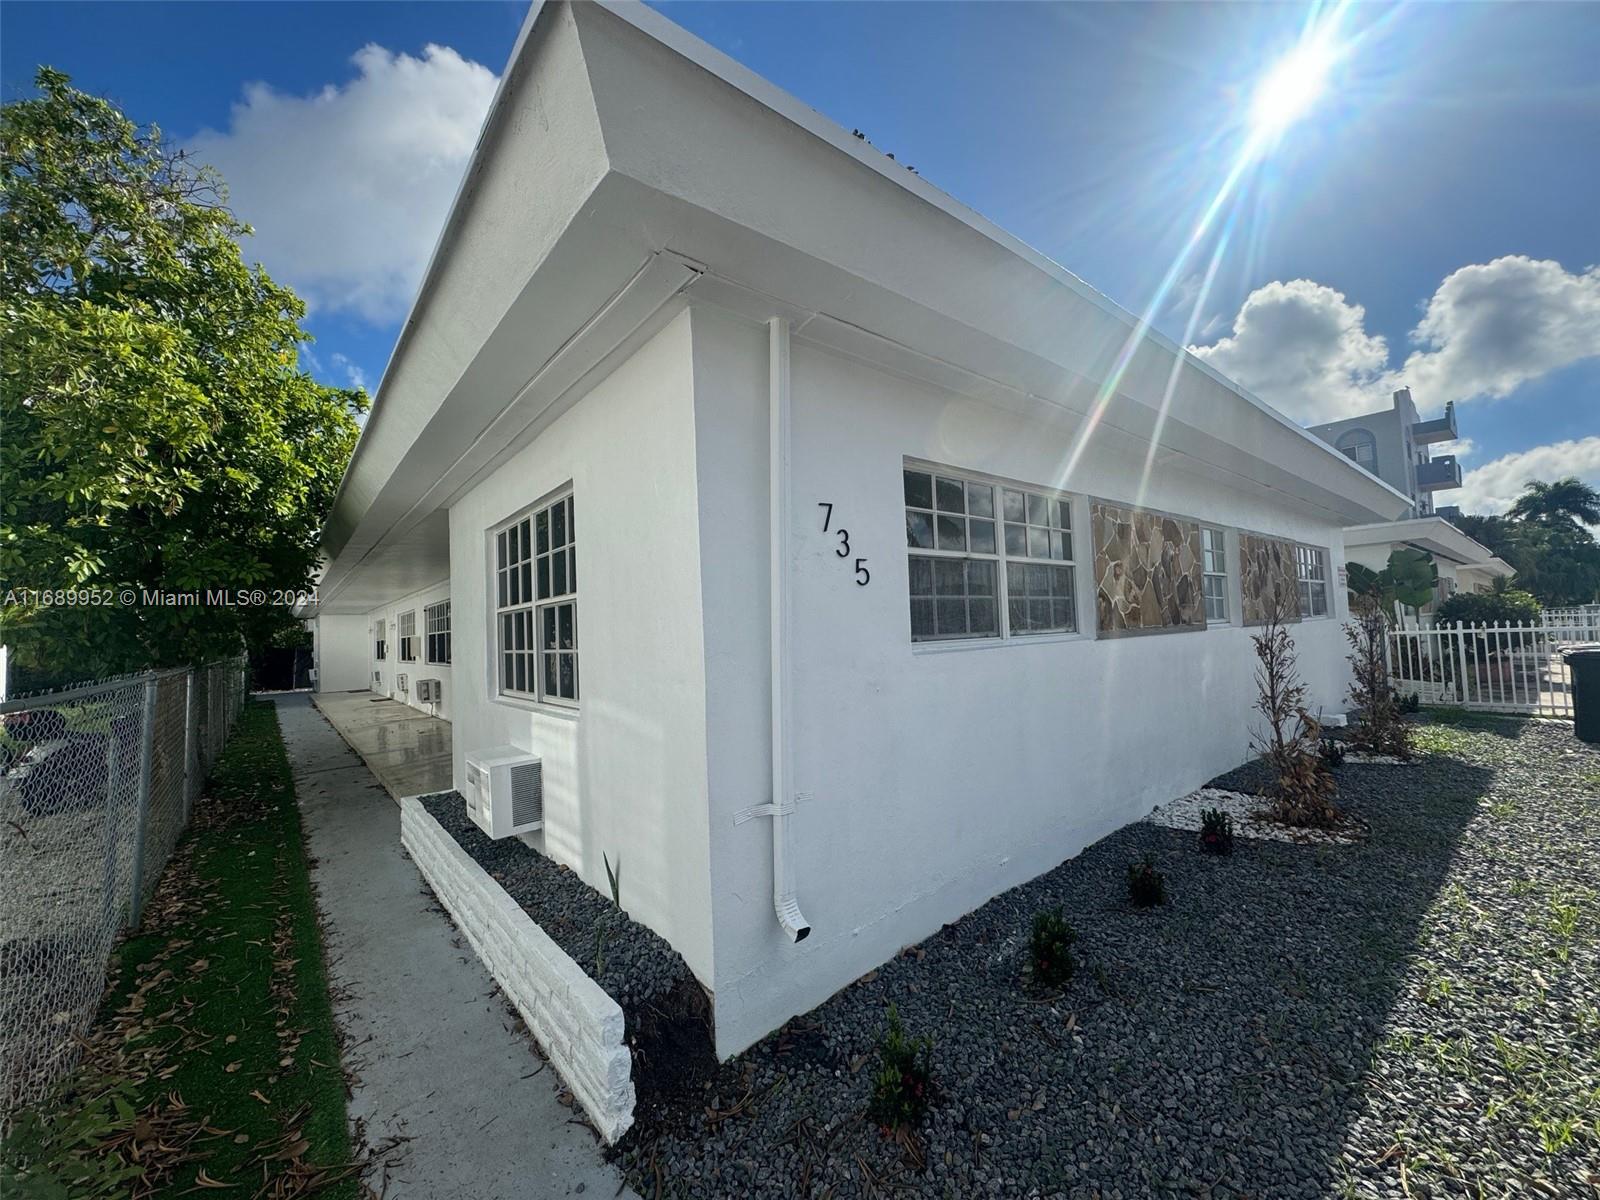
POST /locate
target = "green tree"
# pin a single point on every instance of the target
(1545, 537)
(1566, 501)
(1409, 578)
(156, 430)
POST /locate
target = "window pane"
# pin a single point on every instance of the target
(569, 680)
(550, 682)
(558, 573)
(1066, 546)
(509, 675)
(952, 533)
(1038, 542)
(564, 627)
(1061, 614)
(980, 578)
(521, 665)
(950, 616)
(949, 577)
(503, 601)
(572, 566)
(919, 489)
(1014, 507)
(982, 536)
(921, 618)
(919, 531)
(500, 550)
(558, 525)
(952, 496)
(544, 578)
(547, 629)
(980, 499)
(921, 576)
(1017, 614)
(1056, 549)
(542, 521)
(572, 522)
(983, 616)
(1064, 514)
(1038, 510)
(1017, 540)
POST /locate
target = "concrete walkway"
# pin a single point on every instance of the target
(435, 1052)
(407, 750)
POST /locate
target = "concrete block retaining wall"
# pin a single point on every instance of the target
(576, 1023)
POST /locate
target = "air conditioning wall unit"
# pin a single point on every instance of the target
(430, 691)
(505, 791)
(401, 682)
(377, 677)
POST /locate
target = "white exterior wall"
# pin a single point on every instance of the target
(342, 652)
(624, 774)
(938, 776)
(392, 667)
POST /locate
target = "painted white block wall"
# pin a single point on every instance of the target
(938, 776)
(624, 774)
(339, 642)
(393, 666)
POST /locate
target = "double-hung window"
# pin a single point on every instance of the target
(1215, 573)
(986, 559)
(536, 605)
(380, 648)
(408, 636)
(1311, 572)
(436, 632)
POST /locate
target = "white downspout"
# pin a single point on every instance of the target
(784, 903)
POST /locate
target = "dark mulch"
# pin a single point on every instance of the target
(1417, 1014)
(666, 1010)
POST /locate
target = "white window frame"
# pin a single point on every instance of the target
(436, 633)
(997, 487)
(1305, 558)
(407, 621)
(1215, 556)
(518, 572)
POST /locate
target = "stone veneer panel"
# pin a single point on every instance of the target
(1267, 578)
(579, 1027)
(1147, 570)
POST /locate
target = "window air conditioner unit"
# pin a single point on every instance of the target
(429, 691)
(400, 682)
(505, 791)
(377, 677)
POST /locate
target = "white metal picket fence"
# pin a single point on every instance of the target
(1496, 668)
(96, 784)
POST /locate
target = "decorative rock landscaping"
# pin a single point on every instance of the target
(1414, 1015)
(1248, 813)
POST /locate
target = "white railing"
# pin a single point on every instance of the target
(1586, 617)
(1496, 668)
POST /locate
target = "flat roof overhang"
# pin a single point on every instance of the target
(645, 172)
(1433, 534)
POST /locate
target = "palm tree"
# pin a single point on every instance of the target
(1565, 500)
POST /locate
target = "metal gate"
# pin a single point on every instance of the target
(1494, 668)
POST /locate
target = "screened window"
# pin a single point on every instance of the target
(1311, 570)
(1214, 554)
(986, 560)
(436, 632)
(408, 636)
(1359, 446)
(380, 648)
(536, 605)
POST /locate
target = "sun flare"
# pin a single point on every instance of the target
(1287, 92)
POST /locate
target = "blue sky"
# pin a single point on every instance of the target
(1430, 222)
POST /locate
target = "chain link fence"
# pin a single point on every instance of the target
(96, 784)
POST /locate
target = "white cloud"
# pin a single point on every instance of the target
(1488, 329)
(1460, 447)
(1495, 486)
(354, 374)
(1304, 348)
(1492, 327)
(348, 188)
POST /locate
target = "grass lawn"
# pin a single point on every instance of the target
(214, 1063)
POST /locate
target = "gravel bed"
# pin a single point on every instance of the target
(637, 965)
(1415, 1015)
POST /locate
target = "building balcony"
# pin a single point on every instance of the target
(1439, 474)
(1440, 429)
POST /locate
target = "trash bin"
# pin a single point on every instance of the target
(1584, 667)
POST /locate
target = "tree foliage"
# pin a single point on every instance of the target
(1378, 727)
(1546, 537)
(1290, 741)
(1409, 578)
(158, 432)
(1510, 607)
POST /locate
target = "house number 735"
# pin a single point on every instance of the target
(863, 576)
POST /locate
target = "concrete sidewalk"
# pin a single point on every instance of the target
(436, 1055)
(407, 750)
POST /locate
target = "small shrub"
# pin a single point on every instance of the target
(1332, 753)
(1216, 831)
(1411, 702)
(1051, 949)
(1303, 789)
(1147, 887)
(902, 1086)
(1378, 728)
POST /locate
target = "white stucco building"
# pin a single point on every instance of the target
(754, 467)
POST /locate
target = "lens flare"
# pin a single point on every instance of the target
(1287, 92)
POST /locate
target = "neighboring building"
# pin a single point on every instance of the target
(1464, 565)
(753, 466)
(1393, 445)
